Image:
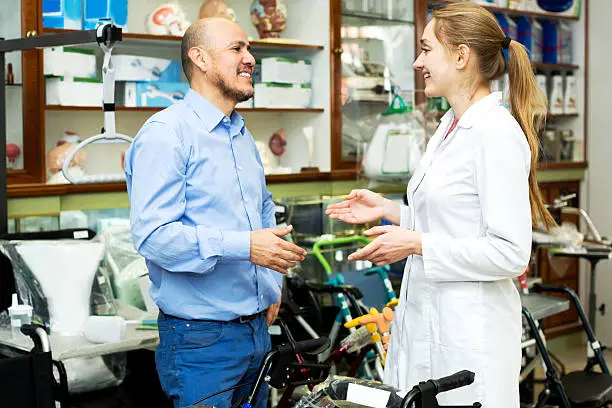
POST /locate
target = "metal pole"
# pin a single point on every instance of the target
(3, 172)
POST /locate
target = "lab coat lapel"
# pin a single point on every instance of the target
(432, 146)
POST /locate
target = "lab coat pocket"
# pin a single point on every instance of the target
(460, 315)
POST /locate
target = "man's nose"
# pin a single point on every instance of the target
(248, 59)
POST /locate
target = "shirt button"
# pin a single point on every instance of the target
(261, 297)
(246, 200)
(239, 167)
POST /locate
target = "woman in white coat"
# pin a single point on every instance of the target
(466, 231)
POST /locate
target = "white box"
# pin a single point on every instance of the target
(138, 68)
(286, 70)
(275, 95)
(68, 91)
(246, 104)
(154, 94)
(69, 61)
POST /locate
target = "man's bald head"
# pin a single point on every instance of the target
(204, 33)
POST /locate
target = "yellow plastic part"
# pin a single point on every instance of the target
(393, 303)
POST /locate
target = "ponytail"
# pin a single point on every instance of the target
(528, 106)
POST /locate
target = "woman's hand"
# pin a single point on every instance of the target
(392, 244)
(360, 206)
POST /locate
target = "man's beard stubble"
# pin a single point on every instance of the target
(238, 96)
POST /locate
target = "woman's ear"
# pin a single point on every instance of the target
(462, 56)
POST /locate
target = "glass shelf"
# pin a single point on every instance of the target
(360, 18)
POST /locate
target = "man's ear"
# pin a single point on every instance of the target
(199, 57)
(462, 56)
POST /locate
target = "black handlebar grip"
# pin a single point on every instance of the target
(460, 379)
(311, 345)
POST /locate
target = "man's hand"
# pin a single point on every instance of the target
(270, 251)
(272, 312)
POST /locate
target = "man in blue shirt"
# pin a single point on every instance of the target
(204, 221)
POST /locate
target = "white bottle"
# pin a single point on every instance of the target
(542, 82)
(555, 101)
(569, 97)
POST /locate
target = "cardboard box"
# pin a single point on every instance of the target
(286, 70)
(146, 69)
(158, 94)
(69, 91)
(62, 14)
(275, 95)
(69, 61)
(94, 10)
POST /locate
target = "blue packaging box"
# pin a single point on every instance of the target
(551, 44)
(156, 94)
(62, 14)
(530, 35)
(94, 10)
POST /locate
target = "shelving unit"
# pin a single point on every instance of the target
(511, 11)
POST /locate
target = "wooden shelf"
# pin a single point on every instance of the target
(563, 116)
(156, 109)
(562, 165)
(41, 189)
(517, 12)
(553, 67)
(171, 40)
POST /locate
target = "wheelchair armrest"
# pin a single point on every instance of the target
(546, 287)
(38, 335)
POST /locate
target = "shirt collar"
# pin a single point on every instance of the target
(478, 109)
(210, 114)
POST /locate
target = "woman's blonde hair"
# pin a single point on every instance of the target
(472, 25)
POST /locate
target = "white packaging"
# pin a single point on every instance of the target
(569, 96)
(556, 95)
(69, 61)
(19, 314)
(542, 82)
(565, 41)
(536, 33)
(139, 68)
(245, 105)
(69, 91)
(275, 95)
(517, 4)
(104, 329)
(286, 70)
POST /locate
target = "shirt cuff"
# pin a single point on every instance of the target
(209, 241)
(405, 216)
(236, 245)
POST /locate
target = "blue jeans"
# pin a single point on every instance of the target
(198, 358)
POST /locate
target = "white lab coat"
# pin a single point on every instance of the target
(459, 308)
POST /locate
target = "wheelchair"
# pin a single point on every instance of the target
(585, 388)
(27, 380)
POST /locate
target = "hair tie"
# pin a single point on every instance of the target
(506, 42)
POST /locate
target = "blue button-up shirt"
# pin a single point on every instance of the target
(197, 189)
